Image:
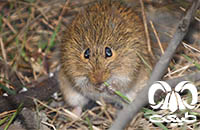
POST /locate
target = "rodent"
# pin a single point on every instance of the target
(104, 43)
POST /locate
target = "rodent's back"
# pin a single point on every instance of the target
(104, 43)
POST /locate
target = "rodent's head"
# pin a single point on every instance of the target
(101, 45)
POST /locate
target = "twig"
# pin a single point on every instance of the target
(178, 70)
(146, 29)
(48, 124)
(126, 115)
(189, 46)
(5, 58)
(6, 113)
(157, 37)
(62, 12)
(3, 50)
(159, 43)
(10, 26)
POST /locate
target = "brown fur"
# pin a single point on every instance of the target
(106, 23)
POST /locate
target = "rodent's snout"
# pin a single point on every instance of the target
(98, 77)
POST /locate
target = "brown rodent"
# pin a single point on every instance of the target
(104, 43)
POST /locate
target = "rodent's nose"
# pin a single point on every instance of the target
(98, 77)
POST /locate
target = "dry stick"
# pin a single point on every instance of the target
(159, 42)
(146, 28)
(3, 50)
(9, 25)
(157, 37)
(126, 115)
(4, 57)
(62, 12)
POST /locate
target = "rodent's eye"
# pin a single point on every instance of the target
(87, 53)
(108, 52)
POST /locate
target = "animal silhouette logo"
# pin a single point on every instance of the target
(173, 100)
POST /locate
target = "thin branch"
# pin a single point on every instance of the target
(3, 50)
(146, 29)
(126, 115)
(159, 42)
